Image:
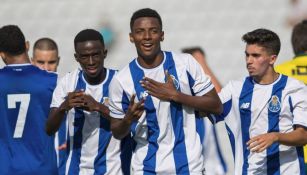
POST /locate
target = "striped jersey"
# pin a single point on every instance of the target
(251, 109)
(167, 134)
(214, 159)
(91, 148)
(25, 97)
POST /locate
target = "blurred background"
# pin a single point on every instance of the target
(214, 25)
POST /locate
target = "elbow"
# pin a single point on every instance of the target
(48, 130)
(219, 108)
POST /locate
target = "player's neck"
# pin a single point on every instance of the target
(96, 80)
(19, 59)
(268, 78)
(150, 63)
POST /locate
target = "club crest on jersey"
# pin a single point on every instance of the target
(143, 94)
(105, 101)
(175, 82)
(274, 104)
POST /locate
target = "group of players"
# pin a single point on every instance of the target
(147, 118)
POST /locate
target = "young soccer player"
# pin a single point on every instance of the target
(266, 112)
(25, 97)
(157, 98)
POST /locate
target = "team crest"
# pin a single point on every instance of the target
(105, 101)
(274, 104)
(175, 82)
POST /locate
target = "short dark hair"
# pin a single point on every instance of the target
(12, 40)
(88, 35)
(264, 38)
(45, 44)
(299, 38)
(145, 12)
(191, 50)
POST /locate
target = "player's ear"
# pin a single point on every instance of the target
(131, 37)
(105, 53)
(2, 55)
(162, 36)
(27, 45)
(273, 59)
(76, 57)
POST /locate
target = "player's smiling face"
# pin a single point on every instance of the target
(147, 34)
(91, 55)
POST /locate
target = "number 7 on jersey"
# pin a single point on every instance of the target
(24, 100)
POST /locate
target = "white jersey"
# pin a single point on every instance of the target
(91, 148)
(214, 160)
(166, 135)
(251, 109)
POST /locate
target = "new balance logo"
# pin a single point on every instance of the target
(244, 106)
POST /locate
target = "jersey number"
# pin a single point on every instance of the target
(24, 100)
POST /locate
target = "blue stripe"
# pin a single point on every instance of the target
(300, 154)
(291, 105)
(126, 145)
(151, 118)
(100, 162)
(200, 125)
(221, 158)
(232, 141)
(273, 163)
(77, 138)
(179, 151)
(62, 135)
(226, 109)
(245, 116)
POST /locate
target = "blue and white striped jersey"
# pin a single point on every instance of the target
(167, 135)
(91, 148)
(25, 97)
(215, 163)
(251, 109)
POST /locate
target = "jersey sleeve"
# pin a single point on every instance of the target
(299, 106)
(201, 82)
(226, 98)
(118, 100)
(59, 93)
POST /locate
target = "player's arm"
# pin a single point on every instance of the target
(297, 137)
(56, 115)
(209, 102)
(121, 127)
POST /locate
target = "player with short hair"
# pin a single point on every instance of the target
(46, 54)
(82, 96)
(266, 112)
(25, 97)
(157, 98)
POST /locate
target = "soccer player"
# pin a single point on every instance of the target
(82, 96)
(266, 112)
(214, 160)
(157, 98)
(297, 67)
(45, 54)
(25, 97)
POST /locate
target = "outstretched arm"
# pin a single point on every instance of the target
(121, 127)
(297, 137)
(209, 102)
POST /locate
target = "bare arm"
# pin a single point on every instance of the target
(209, 102)
(121, 127)
(297, 137)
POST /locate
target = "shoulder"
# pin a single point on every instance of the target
(293, 83)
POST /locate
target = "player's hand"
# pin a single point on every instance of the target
(89, 103)
(135, 110)
(262, 142)
(62, 147)
(74, 99)
(163, 91)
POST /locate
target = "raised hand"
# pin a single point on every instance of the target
(164, 91)
(135, 110)
(74, 99)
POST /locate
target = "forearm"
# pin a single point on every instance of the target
(120, 127)
(54, 120)
(208, 103)
(297, 137)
